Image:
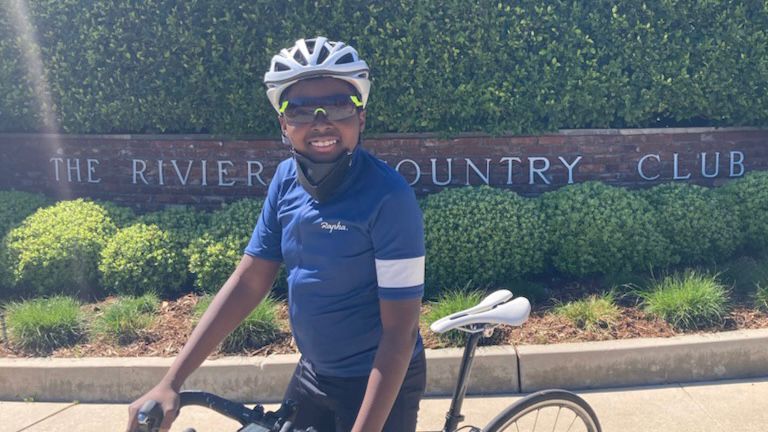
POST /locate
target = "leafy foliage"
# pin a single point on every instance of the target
(697, 224)
(481, 235)
(449, 66)
(57, 249)
(597, 229)
(140, 259)
(748, 196)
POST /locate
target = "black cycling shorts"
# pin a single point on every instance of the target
(330, 404)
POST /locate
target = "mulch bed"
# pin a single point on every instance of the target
(175, 322)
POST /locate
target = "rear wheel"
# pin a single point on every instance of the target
(548, 410)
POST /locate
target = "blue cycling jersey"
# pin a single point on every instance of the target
(342, 256)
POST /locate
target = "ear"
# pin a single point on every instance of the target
(283, 124)
(361, 116)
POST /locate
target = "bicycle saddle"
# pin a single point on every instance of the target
(496, 308)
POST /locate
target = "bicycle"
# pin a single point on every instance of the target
(551, 410)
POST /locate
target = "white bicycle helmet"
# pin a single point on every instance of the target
(312, 58)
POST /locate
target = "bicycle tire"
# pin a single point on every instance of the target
(546, 409)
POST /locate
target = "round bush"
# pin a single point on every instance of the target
(16, 206)
(695, 221)
(236, 219)
(213, 261)
(748, 197)
(140, 259)
(183, 223)
(481, 235)
(121, 216)
(57, 249)
(599, 229)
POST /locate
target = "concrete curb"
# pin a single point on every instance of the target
(500, 369)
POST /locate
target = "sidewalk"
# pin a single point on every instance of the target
(733, 406)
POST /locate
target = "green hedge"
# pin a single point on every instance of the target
(696, 222)
(597, 229)
(448, 66)
(481, 237)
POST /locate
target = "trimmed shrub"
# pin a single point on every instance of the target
(57, 249)
(140, 259)
(41, 325)
(16, 206)
(449, 66)
(236, 219)
(591, 313)
(213, 261)
(121, 216)
(748, 196)
(261, 327)
(183, 223)
(126, 319)
(481, 235)
(598, 229)
(449, 302)
(687, 300)
(695, 221)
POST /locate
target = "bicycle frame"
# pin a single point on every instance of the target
(454, 417)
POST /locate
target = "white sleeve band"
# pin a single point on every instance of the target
(400, 273)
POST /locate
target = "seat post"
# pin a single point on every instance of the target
(454, 417)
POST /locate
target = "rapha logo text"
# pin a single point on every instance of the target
(338, 226)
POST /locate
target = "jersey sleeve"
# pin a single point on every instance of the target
(267, 236)
(398, 242)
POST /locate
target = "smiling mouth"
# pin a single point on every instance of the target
(323, 143)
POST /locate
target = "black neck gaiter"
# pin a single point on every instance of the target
(322, 179)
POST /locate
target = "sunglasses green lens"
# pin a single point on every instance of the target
(306, 110)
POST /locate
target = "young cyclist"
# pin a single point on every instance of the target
(349, 231)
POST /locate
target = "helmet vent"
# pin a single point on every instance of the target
(323, 55)
(279, 67)
(300, 58)
(347, 58)
(310, 45)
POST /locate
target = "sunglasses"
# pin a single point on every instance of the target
(334, 108)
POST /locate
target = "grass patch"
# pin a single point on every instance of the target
(746, 274)
(41, 325)
(448, 303)
(761, 297)
(261, 327)
(590, 313)
(687, 300)
(125, 320)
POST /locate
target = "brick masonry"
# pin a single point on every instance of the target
(150, 172)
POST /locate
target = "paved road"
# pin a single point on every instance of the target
(732, 406)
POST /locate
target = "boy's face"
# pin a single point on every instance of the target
(322, 140)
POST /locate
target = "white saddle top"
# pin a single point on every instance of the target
(496, 308)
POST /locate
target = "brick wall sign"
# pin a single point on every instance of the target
(150, 172)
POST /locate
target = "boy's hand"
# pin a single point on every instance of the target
(166, 396)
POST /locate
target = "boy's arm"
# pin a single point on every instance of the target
(243, 291)
(400, 324)
(240, 294)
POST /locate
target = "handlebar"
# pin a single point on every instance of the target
(150, 415)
